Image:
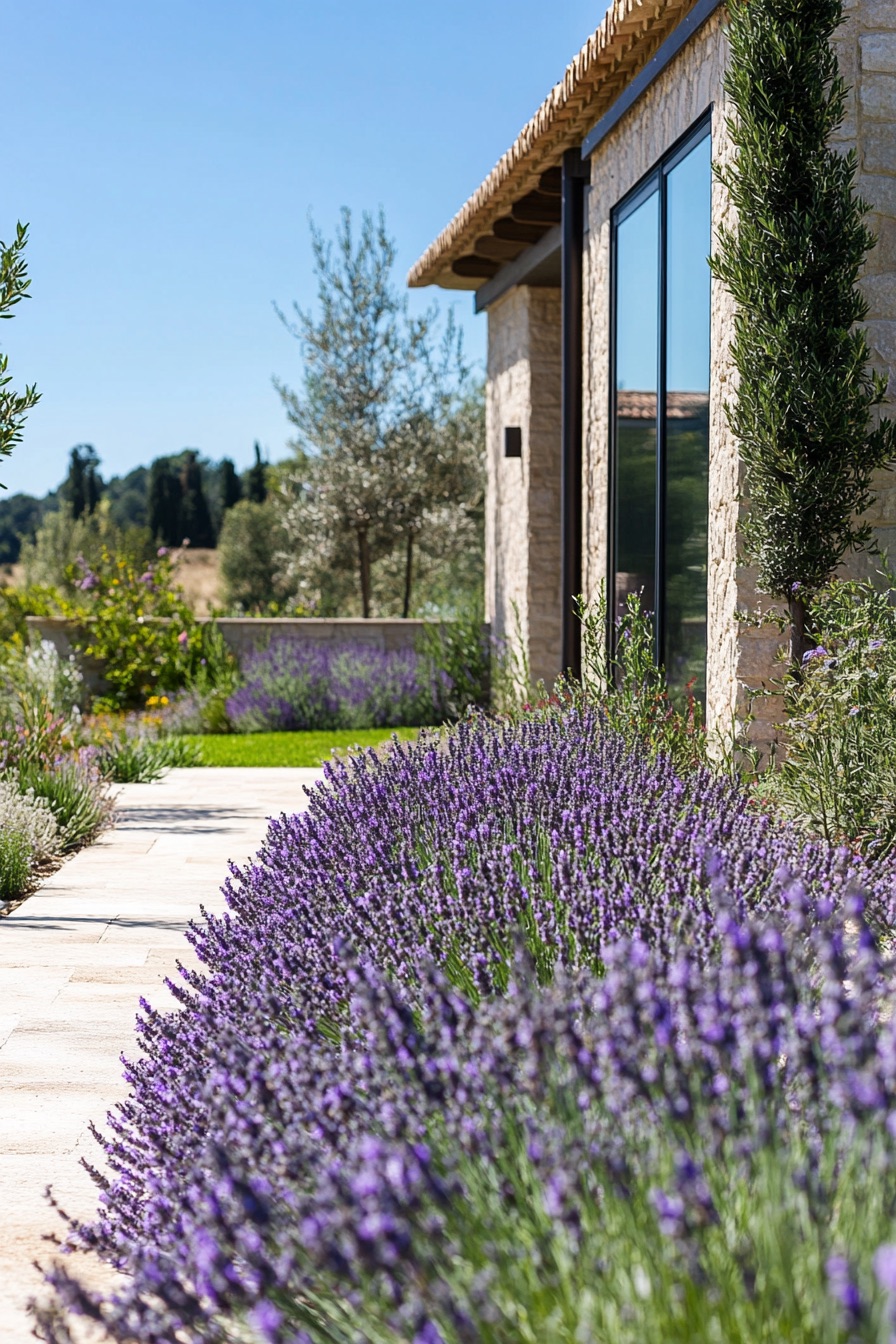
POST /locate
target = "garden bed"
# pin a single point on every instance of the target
(243, 636)
(521, 1036)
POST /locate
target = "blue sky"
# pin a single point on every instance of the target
(166, 157)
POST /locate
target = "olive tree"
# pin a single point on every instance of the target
(14, 285)
(378, 457)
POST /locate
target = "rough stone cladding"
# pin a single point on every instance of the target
(739, 655)
(522, 538)
(682, 94)
(866, 50)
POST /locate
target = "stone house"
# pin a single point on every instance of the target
(609, 454)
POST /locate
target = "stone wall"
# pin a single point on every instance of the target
(866, 50)
(523, 596)
(740, 655)
(681, 95)
(522, 540)
(244, 634)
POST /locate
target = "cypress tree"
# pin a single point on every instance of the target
(163, 503)
(196, 520)
(256, 485)
(83, 484)
(804, 415)
(231, 492)
(93, 487)
(74, 489)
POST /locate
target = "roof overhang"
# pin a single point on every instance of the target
(519, 202)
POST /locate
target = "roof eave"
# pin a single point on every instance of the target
(626, 39)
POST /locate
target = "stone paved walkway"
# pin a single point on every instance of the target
(74, 962)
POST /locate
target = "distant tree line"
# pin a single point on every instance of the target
(180, 497)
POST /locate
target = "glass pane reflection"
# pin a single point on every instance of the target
(637, 345)
(688, 188)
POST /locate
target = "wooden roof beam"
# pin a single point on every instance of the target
(498, 249)
(514, 231)
(551, 182)
(537, 208)
(475, 268)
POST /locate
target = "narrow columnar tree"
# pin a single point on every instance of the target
(163, 502)
(804, 415)
(14, 284)
(195, 517)
(83, 485)
(230, 488)
(256, 479)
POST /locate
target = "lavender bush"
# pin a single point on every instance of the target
(288, 686)
(517, 1036)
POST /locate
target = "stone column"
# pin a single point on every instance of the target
(868, 60)
(522, 540)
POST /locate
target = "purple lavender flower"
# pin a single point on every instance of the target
(884, 1264)
(844, 1288)
(523, 945)
(289, 687)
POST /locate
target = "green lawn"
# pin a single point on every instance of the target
(288, 748)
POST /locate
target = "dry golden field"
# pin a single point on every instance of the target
(198, 574)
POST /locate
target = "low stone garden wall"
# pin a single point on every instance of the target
(244, 634)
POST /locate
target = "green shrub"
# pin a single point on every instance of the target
(15, 866)
(142, 761)
(839, 774)
(461, 649)
(202, 706)
(18, 603)
(136, 622)
(51, 560)
(251, 538)
(630, 689)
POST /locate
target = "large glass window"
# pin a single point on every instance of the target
(661, 244)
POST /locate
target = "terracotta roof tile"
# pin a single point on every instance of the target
(634, 405)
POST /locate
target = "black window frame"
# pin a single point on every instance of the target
(652, 181)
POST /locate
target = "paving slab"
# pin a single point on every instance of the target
(75, 959)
